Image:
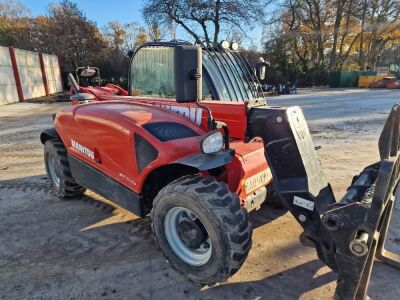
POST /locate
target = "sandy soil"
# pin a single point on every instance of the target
(86, 249)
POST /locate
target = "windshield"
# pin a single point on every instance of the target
(231, 75)
(228, 76)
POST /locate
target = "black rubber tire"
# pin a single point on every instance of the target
(273, 198)
(68, 188)
(220, 212)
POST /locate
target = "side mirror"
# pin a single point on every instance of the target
(261, 69)
(188, 73)
(261, 72)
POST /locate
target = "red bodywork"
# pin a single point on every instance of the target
(129, 114)
(393, 83)
(103, 91)
(387, 82)
(378, 84)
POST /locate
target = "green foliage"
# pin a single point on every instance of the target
(77, 41)
(309, 39)
(205, 19)
(306, 39)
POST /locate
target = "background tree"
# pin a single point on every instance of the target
(116, 34)
(303, 39)
(321, 36)
(15, 24)
(76, 40)
(154, 32)
(380, 30)
(205, 19)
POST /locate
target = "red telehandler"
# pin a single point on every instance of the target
(196, 145)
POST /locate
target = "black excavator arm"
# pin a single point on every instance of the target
(348, 234)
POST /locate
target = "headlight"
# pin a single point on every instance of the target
(213, 142)
(224, 44)
(234, 46)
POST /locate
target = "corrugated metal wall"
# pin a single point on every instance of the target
(23, 76)
(346, 79)
(8, 88)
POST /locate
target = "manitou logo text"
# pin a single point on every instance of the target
(82, 149)
(192, 113)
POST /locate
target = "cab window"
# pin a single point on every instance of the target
(152, 74)
(207, 95)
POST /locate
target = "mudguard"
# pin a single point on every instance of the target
(204, 162)
(49, 134)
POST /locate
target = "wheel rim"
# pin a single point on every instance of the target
(51, 163)
(187, 236)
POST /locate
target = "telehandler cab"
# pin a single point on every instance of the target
(196, 145)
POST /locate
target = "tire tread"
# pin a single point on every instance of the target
(68, 187)
(225, 206)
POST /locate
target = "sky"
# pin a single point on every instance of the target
(103, 11)
(100, 11)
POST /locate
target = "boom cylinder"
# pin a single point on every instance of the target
(357, 190)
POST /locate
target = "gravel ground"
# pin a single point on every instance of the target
(88, 249)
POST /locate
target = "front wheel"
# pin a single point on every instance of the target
(201, 228)
(59, 171)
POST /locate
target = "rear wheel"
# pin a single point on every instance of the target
(59, 171)
(201, 228)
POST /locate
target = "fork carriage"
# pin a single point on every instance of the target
(347, 234)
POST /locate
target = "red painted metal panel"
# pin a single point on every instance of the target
(46, 87)
(16, 74)
(62, 81)
(109, 127)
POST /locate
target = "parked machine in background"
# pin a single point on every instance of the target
(389, 82)
(88, 76)
(392, 83)
(87, 83)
